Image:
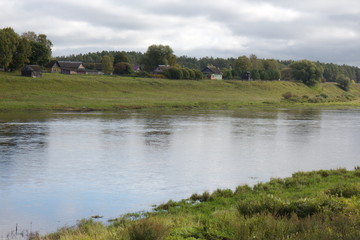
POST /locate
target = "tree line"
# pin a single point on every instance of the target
(28, 48)
(232, 68)
(31, 48)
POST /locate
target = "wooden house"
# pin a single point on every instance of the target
(53, 67)
(212, 73)
(161, 69)
(136, 68)
(72, 67)
(31, 71)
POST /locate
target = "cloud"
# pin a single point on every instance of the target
(316, 30)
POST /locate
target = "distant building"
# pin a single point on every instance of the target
(161, 69)
(136, 68)
(246, 76)
(31, 71)
(212, 73)
(53, 67)
(68, 67)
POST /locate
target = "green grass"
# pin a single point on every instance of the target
(309, 205)
(83, 93)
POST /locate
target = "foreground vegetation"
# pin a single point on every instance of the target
(321, 204)
(84, 93)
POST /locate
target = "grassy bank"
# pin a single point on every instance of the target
(65, 92)
(309, 205)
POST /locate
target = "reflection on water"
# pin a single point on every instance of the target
(58, 168)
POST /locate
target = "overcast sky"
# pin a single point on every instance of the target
(319, 30)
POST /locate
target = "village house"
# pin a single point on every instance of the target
(161, 69)
(136, 68)
(72, 67)
(31, 71)
(53, 67)
(212, 73)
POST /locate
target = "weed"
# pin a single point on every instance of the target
(148, 229)
(345, 190)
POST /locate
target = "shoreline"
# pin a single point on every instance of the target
(305, 196)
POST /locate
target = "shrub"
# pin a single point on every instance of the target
(174, 73)
(147, 229)
(156, 76)
(345, 190)
(185, 73)
(242, 189)
(343, 82)
(123, 68)
(198, 75)
(200, 197)
(166, 206)
(287, 95)
(302, 208)
(224, 193)
(264, 204)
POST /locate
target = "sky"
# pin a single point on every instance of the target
(318, 30)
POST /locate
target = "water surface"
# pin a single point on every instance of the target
(56, 168)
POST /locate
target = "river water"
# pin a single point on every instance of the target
(56, 168)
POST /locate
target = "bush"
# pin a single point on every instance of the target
(123, 68)
(343, 82)
(221, 193)
(265, 204)
(198, 75)
(147, 229)
(174, 73)
(166, 206)
(200, 197)
(185, 73)
(287, 95)
(242, 189)
(345, 190)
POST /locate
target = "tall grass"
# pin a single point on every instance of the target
(321, 204)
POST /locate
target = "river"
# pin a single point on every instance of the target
(56, 168)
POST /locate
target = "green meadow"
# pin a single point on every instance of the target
(84, 93)
(321, 204)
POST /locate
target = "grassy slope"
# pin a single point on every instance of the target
(308, 205)
(65, 92)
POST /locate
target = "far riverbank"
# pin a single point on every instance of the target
(56, 92)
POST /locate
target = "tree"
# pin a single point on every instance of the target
(8, 44)
(123, 68)
(306, 72)
(40, 48)
(241, 65)
(21, 55)
(343, 82)
(121, 57)
(107, 64)
(158, 55)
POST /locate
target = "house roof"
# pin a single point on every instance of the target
(162, 68)
(52, 64)
(211, 69)
(35, 68)
(69, 65)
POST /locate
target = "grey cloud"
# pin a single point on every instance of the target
(132, 24)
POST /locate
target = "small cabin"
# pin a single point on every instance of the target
(136, 68)
(246, 76)
(161, 69)
(33, 71)
(53, 67)
(72, 67)
(212, 73)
